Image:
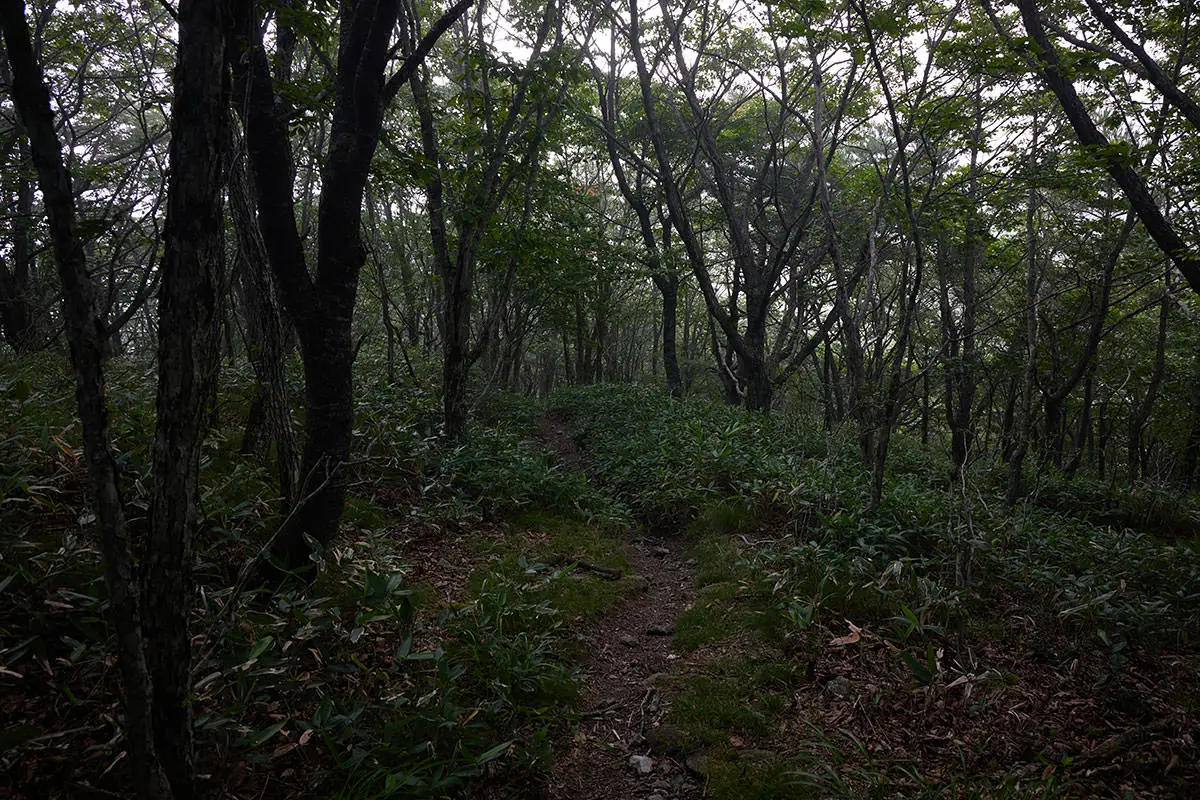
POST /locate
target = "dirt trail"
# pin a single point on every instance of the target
(630, 657)
(622, 701)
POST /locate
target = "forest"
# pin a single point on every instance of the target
(599, 399)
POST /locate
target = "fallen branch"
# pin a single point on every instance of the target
(1110, 748)
(607, 573)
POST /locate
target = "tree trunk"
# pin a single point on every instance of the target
(1115, 162)
(189, 308)
(17, 315)
(270, 412)
(1023, 421)
(668, 287)
(959, 338)
(322, 307)
(86, 337)
(1083, 432)
(1143, 407)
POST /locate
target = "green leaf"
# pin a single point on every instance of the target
(493, 753)
(257, 739)
(260, 647)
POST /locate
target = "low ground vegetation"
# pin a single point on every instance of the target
(939, 644)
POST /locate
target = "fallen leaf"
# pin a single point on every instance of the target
(283, 749)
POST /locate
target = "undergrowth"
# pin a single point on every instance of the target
(369, 684)
(390, 679)
(914, 598)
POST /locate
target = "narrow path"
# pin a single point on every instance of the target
(622, 701)
(618, 749)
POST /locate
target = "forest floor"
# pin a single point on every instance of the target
(629, 655)
(610, 751)
(577, 605)
(686, 696)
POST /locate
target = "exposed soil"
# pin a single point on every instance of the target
(630, 655)
(556, 437)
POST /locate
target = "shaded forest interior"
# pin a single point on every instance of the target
(676, 399)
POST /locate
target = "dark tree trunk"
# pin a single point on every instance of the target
(86, 337)
(1143, 407)
(1083, 433)
(582, 362)
(666, 281)
(959, 336)
(600, 334)
(754, 271)
(1191, 453)
(1055, 397)
(724, 360)
(385, 295)
(322, 307)
(17, 314)
(828, 377)
(1102, 436)
(668, 287)
(925, 409)
(266, 344)
(910, 284)
(1023, 418)
(457, 270)
(1115, 162)
(189, 309)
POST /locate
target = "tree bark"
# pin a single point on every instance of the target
(322, 307)
(1022, 418)
(457, 270)
(17, 314)
(755, 271)
(1143, 406)
(189, 308)
(959, 337)
(270, 417)
(668, 287)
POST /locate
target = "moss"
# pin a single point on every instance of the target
(743, 779)
(743, 696)
(544, 544)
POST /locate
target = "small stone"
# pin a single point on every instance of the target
(658, 630)
(642, 765)
(629, 640)
(691, 562)
(698, 763)
(839, 686)
(662, 551)
(665, 738)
